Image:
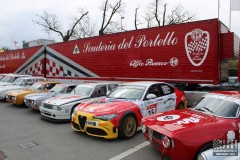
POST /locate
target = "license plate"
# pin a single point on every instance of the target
(92, 123)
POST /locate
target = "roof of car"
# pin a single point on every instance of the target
(100, 83)
(67, 84)
(234, 94)
(142, 83)
(48, 82)
(18, 75)
(32, 77)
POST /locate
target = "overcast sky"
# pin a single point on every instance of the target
(16, 16)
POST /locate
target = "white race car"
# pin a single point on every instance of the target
(10, 78)
(59, 108)
(19, 83)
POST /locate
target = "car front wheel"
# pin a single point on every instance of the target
(128, 126)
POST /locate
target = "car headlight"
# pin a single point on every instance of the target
(106, 117)
(57, 108)
(144, 128)
(166, 142)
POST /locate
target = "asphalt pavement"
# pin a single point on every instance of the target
(25, 136)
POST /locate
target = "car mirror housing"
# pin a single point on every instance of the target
(151, 96)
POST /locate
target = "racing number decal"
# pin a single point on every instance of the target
(152, 109)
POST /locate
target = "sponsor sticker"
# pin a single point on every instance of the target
(92, 123)
(168, 118)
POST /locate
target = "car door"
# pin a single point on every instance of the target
(151, 105)
(169, 98)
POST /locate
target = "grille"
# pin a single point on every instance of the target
(76, 126)
(28, 102)
(48, 106)
(158, 136)
(96, 131)
(10, 97)
(82, 121)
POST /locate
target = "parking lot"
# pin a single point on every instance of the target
(24, 135)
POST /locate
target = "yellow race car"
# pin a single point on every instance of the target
(17, 96)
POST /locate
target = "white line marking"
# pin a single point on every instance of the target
(130, 151)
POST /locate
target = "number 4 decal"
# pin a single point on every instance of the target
(152, 109)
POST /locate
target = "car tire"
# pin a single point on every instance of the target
(72, 110)
(128, 126)
(204, 148)
(180, 106)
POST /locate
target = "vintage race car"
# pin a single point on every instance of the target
(10, 78)
(120, 113)
(3, 75)
(185, 133)
(59, 108)
(34, 101)
(19, 83)
(17, 96)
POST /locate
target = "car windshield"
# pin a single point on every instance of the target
(82, 90)
(58, 89)
(37, 86)
(218, 106)
(1, 77)
(8, 79)
(19, 82)
(128, 92)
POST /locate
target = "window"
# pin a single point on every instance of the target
(153, 90)
(100, 91)
(112, 86)
(166, 89)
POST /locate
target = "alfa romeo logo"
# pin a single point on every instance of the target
(196, 46)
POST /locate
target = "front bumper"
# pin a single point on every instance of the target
(55, 115)
(31, 104)
(85, 122)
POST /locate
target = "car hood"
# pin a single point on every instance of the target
(18, 92)
(4, 84)
(179, 120)
(35, 96)
(62, 99)
(10, 87)
(99, 107)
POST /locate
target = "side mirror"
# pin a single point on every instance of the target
(151, 96)
(108, 92)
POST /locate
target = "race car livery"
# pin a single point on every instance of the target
(60, 108)
(34, 101)
(17, 96)
(120, 112)
(19, 83)
(184, 134)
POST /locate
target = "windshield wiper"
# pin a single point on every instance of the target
(209, 110)
(199, 109)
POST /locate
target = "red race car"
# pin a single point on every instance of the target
(183, 134)
(120, 113)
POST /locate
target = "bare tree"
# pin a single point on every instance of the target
(149, 19)
(107, 20)
(85, 29)
(158, 16)
(50, 22)
(178, 15)
(135, 21)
